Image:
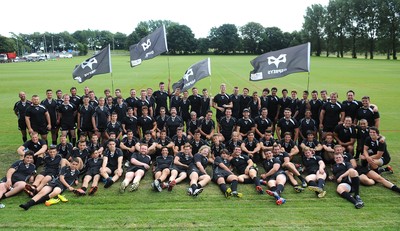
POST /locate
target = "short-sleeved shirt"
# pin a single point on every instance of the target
(235, 99)
(315, 107)
(146, 123)
(141, 158)
(307, 125)
(267, 143)
(130, 101)
(240, 163)
(160, 120)
(83, 154)
(139, 104)
(193, 125)
(250, 145)
(287, 125)
(173, 123)
(65, 150)
(70, 176)
(287, 145)
(345, 134)
(216, 166)
(112, 161)
(161, 99)
(332, 114)
(207, 125)
(216, 149)
(376, 146)
(52, 107)
(163, 162)
(350, 108)
(231, 145)
(196, 145)
(368, 114)
(121, 110)
(227, 126)
(221, 99)
(195, 103)
(67, 114)
(269, 164)
(36, 114)
(34, 146)
(245, 124)
(311, 164)
(179, 141)
(183, 159)
(20, 109)
(22, 171)
(273, 103)
(94, 165)
(85, 114)
(198, 158)
(114, 127)
(131, 123)
(262, 124)
(339, 169)
(101, 115)
(52, 165)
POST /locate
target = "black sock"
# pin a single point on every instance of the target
(222, 187)
(311, 183)
(43, 199)
(357, 155)
(73, 142)
(24, 139)
(199, 185)
(234, 184)
(321, 183)
(273, 188)
(395, 188)
(28, 204)
(279, 188)
(348, 197)
(364, 163)
(256, 181)
(355, 185)
(248, 181)
(84, 189)
(301, 178)
(194, 187)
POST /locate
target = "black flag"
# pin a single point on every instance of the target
(193, 74)
(280, 63)
(149, 47)
(95, 65)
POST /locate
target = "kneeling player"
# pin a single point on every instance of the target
(17, 175)
(140, 163)
(94, 164)
(68, 176)
(315, 171)
(162, 169)
(222, 174)
(274, 175)
(348, 181)
(197, 171)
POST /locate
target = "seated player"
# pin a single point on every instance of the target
(68, 176)
(192, 125)
(52, 162)
(197, 142)
(288, 145)
(94, 164)
(16, 177)
(81, 153)
(362, 134)
(179, 141)
(314, 169)
(251, 147)
(245, 124)
(82, 137)
(180, 166)
(369, 177)
(162, 168)
(312, 143)
(222, 174)
(207, 127)
(114, 126)
(348, 181)
(127, 146)
(94, 144)
(140, 164)
(375, 153)
(234, 142)
(267, 141)
(345, 134)
(64, 148)
(216, 147)
(197, 171)
(149, 141)
(328, 144)
(163, 141)
(274, 175)
(245, 169)
(112, 164)
(39, 148)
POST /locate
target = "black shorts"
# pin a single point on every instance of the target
(363, 170)
(219, 174)
(53, 174)
(275, 175)
(134, 169)
(160, 169)
(86, 129)
(57, 183)
(67, 127)
(93, 171)
(41, 130)
(191, 170)
(252, 167)
(22, 125)
(328, 128)
(178, 169)
(101, 130)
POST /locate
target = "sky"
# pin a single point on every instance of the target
(29, 16)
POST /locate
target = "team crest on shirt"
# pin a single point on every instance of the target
(332, 106)
(223, 97)
(287, 122)
(37, 108)
(246, 122)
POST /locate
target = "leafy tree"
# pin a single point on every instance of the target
(203, 45)
(224, 39)
(313, 26)
(251, 35)
(180, 39)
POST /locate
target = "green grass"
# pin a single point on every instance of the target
(174, 210)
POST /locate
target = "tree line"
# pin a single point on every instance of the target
(343, 26)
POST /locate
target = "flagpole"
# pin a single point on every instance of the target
(112, 82)
(169, 69)
(308, 81)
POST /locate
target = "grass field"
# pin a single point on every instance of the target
(174, 210)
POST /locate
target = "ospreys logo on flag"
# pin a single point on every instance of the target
(149, 47)
(193, 74)
(280, 63)
(95, 65)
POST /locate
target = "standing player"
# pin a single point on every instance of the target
(221, 101)
(161, 99)
(66, 118)
(368, 112)
(331, 115)
(37, 119)
(16, 176)
(195, 101)
(100, 118)
(273, 103)
(51, 105)
(19, 110)
(235, 98)
(85, 112)
(205, 103)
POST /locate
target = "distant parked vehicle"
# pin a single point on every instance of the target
(7, 57)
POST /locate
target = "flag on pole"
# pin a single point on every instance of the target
(149, 47)
(95, 65)
(280, 63)
(193, 74)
